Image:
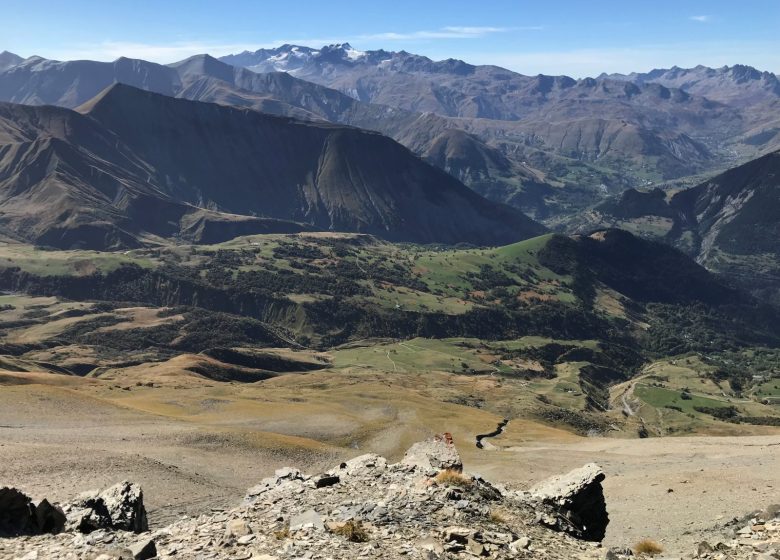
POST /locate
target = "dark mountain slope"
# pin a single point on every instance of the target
(736, 212)
(730, 223)
(643, 270)
(132, 164)
(65, 181)
(633, 204)
(330, 176)
(484, 168)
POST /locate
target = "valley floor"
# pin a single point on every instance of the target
(197, 448)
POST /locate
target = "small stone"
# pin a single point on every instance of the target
(431, 544)
(288, 473)
(457, 534)
(325, 480)
(118, 507)
(16, 512)
(143, 550)
(48, 518)
(309, 519)
(237, 528)
(475, 548)
(520, 544)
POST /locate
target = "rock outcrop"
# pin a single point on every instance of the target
(119, 507)
(437, 453)
(574, 502)
(19, 515)
(368, 508)
(422, 507)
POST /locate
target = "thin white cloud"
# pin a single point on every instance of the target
(474, 30)
(449, 32)
(701, 19)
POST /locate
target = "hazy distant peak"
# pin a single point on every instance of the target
(9, 59)
(203, 65)
(204, 57)
(737, 85)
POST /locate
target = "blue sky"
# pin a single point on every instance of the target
(574, 37)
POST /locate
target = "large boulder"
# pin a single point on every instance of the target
(16, 512)
(119, 507)
(49, 518)
(436, 453)
(573, 502)
(20, 516)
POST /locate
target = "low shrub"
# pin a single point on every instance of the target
(353, 531)
(449, 477)
(649, 547)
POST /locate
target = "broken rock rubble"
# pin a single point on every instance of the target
(363, 508)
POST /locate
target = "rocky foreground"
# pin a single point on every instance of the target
(423, 507)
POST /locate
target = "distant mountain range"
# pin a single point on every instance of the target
(736, 85)
(130, 165)
(660, 125)
(550, 145)
(38, 81)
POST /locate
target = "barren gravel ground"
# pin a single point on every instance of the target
(55, 444)
(673, 490)
(56, 441)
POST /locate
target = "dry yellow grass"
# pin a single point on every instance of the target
(44, 378)
(50, 329)
(648, 547)
(496, 516)
(449, 477)
(352, 530)
(140, 317)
